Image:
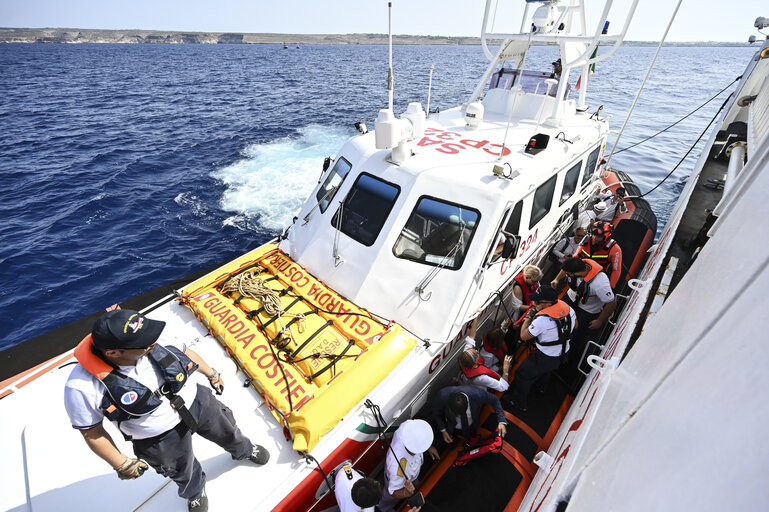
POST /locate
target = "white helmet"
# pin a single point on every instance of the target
(417, 435)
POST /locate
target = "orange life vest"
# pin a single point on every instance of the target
(560, 313)
(583, 288)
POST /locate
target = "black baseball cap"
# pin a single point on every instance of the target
(125, 329)
(546, 293)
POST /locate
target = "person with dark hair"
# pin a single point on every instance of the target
(567, 246)
(615, 202)
(458, 409)
(601, 248)
(590, 295)
(354, 492)
(549, 325)
(127, 376)
(494, 349)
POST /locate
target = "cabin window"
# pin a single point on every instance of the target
(327, 191)
(543, 200)
(510, 227)
(530, 81)
(592, 162)
(437, 233)
(365, 209)
(570, 183)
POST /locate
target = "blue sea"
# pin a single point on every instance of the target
(129, 166)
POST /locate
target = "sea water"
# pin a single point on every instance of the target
(125, 167)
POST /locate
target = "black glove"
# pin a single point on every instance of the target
(131, 469)
(216, 382)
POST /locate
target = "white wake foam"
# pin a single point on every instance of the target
(272, 180)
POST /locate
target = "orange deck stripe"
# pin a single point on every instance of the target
(556, 424)
(33, 372)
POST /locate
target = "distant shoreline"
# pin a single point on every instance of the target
(74, 35)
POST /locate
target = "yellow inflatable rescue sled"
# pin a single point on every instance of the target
(312, 354)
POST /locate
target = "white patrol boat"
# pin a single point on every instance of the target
(344, 325)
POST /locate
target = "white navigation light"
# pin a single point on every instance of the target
(761, 23)
(474, 115)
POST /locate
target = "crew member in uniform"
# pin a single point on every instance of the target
(404, 460)
(601, 248)
(550, 323)
(125, 375)
(354, 492)
(590, 295)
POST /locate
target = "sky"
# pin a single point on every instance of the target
(697, 20)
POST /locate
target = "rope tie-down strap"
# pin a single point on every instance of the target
(312, 354)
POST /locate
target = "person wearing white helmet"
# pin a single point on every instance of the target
(404, 460)
(588, 217)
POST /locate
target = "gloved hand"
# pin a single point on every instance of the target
(216, 382)
(131, 469)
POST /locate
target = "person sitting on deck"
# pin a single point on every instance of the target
(475, 373)
(493, 350)
(458, 409)
(550, 325)
(601, 248)
(404, 460)
(588, 217)
(566, 247)
(590, 295)
(615, 203)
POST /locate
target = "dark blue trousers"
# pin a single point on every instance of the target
(170, 453)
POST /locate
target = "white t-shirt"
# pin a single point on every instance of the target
(565, 247)
(545, 329)
(343, 491)
(599, 292)
(394, 479)
(83, 395)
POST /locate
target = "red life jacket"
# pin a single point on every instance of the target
(481, 369)
(526, 290)
(500, 353)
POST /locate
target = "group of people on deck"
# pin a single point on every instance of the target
(556, 324)
(121, 362)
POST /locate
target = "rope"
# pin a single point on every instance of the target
(690, 149)
(687, 115)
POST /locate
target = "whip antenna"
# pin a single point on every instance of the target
(390, 50)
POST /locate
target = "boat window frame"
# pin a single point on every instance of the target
(578, 168)
(493, 256)
(534, 219)
(589, 172)
(331, 174)
(334, 217)
(467, 244)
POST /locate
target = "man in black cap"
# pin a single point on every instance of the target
(549, 324)
(125, 375)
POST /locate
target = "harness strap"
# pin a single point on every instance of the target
(336, 358)
(311, 337)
